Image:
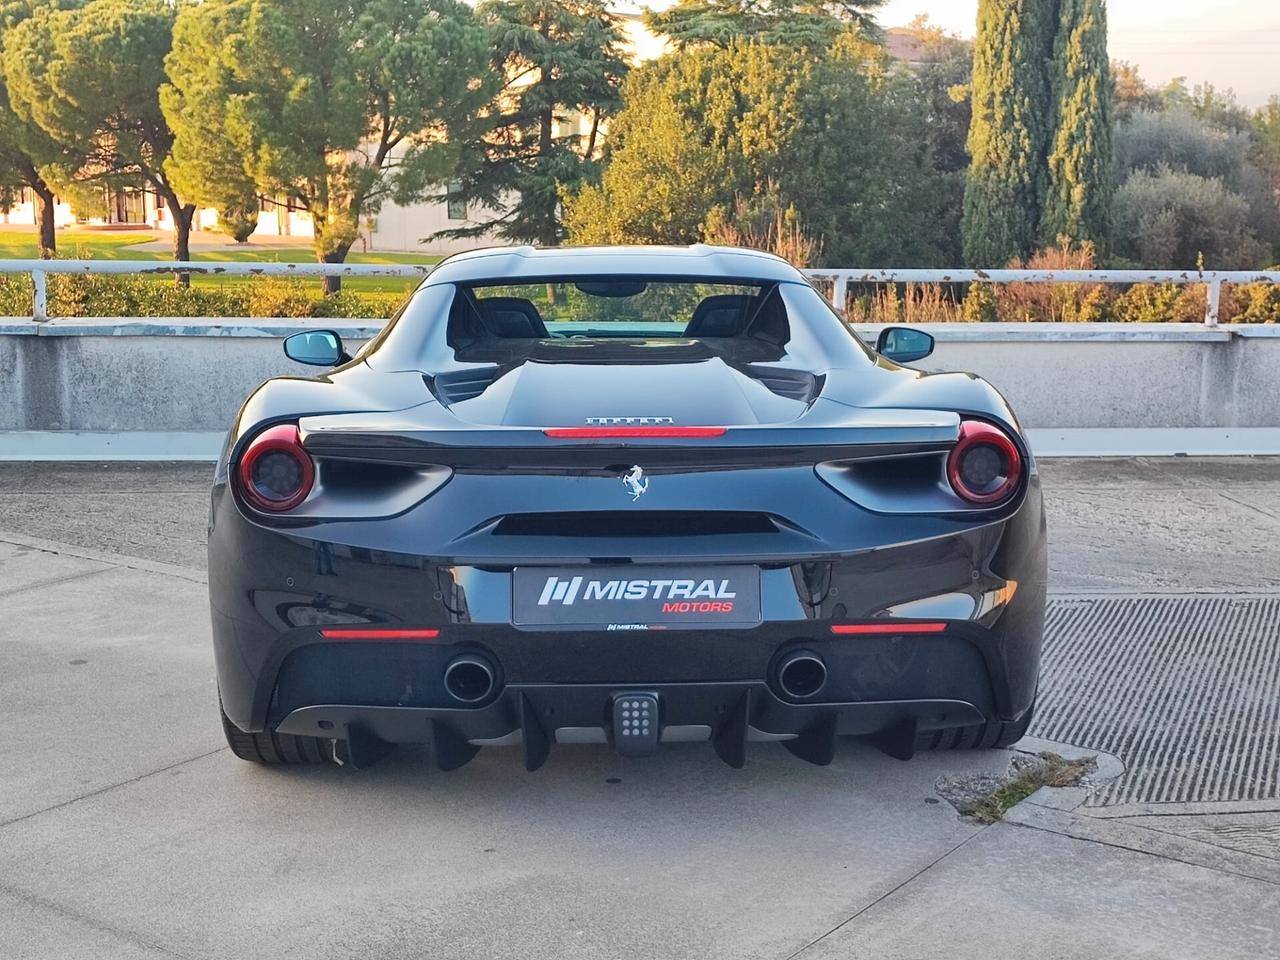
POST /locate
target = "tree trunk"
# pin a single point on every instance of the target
(547, 230)
(45, 201)
(337, 255)
(48, 239)
(45, 207)
(182, 222)
(182, 216)
(591, 141)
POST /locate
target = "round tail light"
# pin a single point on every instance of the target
(276, 473)
(984, 466)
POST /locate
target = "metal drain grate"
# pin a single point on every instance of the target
(1185, 690)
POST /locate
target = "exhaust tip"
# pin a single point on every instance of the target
(802, 674)
(469, 678)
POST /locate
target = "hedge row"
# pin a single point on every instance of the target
(133, 296)
(101, 295)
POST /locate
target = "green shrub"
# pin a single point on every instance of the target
(277, 297)
(1160, 303)
(1251, 303)
(1095, 306)
(1170, 218)
(128, 295)
(15, 295)
(356, 306)
(99, 295)
(980, 304)
(238, 221)
(291, 297)
(1202, 146)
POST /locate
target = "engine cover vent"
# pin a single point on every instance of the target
(461, 385)
(792, 384)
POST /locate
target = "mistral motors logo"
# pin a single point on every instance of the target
(678, 596)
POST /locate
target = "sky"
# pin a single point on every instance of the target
(1229, 43)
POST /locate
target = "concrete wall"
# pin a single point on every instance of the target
(1110, 376)
(174, 375)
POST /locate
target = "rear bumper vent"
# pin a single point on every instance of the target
(635, 523)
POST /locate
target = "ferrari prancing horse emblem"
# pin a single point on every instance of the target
(636, 482)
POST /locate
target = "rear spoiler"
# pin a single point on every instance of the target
(864, 435)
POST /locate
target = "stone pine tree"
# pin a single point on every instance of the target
(1081, 183)
(29, 157)
(563, 66)
(88, 77)
(794, 23)
(25, 155)
(1010, 130)
(330, 108)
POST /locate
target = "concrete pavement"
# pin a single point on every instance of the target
(127, 829)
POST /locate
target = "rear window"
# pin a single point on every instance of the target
(623, 307)
(614, 318)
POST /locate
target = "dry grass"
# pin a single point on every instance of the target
(764, 224)
(1052, 771)
(1060, 302)
(1053, 302)
(918, 303)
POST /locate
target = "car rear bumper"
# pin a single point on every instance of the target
(533, 717)
(274, 591)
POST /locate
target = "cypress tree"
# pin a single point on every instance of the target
(1010, 132)
(1081, 183)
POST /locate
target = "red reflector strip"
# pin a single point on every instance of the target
(882, 629)
(347, 633)
(616, 433)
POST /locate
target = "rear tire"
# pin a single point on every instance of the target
(983, 736)
(273, 748)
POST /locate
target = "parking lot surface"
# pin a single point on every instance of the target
(128, 830)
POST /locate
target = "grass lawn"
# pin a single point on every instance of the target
(99, 245)
(21, 245)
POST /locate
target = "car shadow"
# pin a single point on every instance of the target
(680, 779)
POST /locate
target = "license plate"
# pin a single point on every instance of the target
(636, 598)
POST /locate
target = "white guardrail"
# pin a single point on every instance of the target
(840, 278)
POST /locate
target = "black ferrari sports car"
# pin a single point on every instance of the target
(627, 496)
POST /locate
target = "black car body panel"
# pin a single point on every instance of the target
(444, 464)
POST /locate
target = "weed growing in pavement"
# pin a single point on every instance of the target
(1051, 771)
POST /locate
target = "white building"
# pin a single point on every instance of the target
(22, 210)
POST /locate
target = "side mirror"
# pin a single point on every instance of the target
(319, 348)
(904, 344)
